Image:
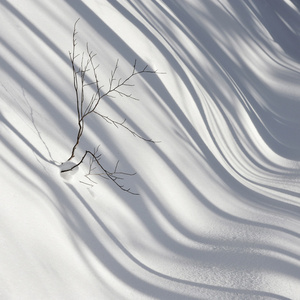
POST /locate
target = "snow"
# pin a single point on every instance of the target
(217, 215)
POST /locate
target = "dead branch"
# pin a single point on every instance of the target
(85, 77)
(86, 107)
(115, 176)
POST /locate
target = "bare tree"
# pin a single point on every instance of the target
(89, 105)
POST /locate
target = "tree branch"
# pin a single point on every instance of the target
(115, 176)
(86, 107)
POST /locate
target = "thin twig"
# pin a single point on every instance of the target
(113, 176)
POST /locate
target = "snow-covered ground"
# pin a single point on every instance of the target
(218, 214)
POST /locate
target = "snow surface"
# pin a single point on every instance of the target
(218, 214)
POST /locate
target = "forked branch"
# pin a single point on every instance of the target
(86, 107)
(85, 80)
(115, 176)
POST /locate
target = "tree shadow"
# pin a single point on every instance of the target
(134, 281)
(233, 76)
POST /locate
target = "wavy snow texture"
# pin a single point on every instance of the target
(218, 211)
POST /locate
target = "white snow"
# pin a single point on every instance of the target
(217, 215)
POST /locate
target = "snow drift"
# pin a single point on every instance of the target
(217, 216)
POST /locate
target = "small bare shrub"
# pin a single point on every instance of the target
(87, 106)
